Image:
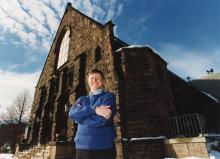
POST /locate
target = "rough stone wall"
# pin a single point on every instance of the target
(151, 149)
(185, 147)
(86, 36)
(145, 99)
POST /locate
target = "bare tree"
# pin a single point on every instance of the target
(19, 111)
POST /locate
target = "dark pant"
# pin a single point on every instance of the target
(96, 154)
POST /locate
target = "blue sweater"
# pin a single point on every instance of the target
(94, 131)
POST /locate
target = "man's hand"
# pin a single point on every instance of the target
(104, 111)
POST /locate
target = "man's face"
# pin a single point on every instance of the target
(95, 81)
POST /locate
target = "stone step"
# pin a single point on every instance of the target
(36, 152)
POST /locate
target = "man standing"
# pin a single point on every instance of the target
(94, 114)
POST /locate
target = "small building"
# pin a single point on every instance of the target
(10, 134)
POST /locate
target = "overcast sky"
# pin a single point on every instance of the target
(185, 33)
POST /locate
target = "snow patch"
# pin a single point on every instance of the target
(138, 46)
(188, 158)
(214, 155)
(144, 138)
(6, 156)
(216, 100)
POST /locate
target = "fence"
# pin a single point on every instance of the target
(189, 125)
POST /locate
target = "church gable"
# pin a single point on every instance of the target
(77, 34)
(85, 35)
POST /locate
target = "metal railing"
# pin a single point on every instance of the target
(189, 125)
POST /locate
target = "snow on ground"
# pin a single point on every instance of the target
(187, 158)
(6, 156)
(213, 155)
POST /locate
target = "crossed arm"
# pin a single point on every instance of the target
(99, 116)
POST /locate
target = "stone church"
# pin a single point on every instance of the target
(153, 104)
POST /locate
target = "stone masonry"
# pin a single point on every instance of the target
(138, 76)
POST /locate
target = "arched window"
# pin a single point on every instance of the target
(97, 54)
(64, 47)
(43, 95)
